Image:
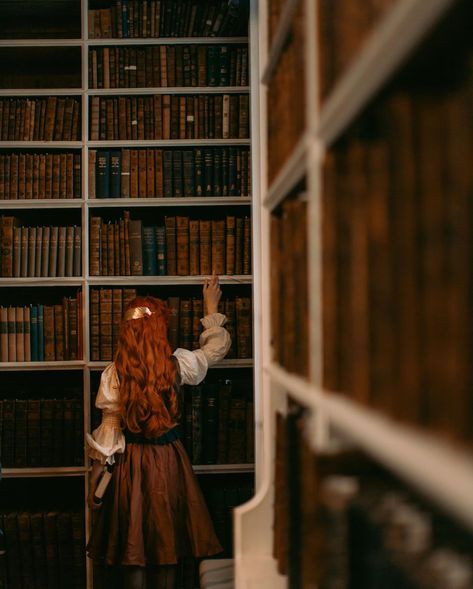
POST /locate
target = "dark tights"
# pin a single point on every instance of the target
(159, 577)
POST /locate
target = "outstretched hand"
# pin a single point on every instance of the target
(212, 294)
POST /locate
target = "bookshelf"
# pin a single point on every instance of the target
(424, 459)
(67, 34)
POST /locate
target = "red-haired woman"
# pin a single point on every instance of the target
(153, 512)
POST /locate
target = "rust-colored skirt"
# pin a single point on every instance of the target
(153, 512)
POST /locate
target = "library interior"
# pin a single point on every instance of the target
(234, 287)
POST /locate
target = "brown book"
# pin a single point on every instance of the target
(150, 181)
(110, 249)
(246, 262)
(125, 174)
(69, 179)
(94, 240)
(182, 245)
(218, 247)
(20, 335)
(229, 309)
(59, 332)
(8, 223)
(185, 324)
(244, 115)
(50, 118)
(53, 250)
(105, 322)
(134, 173)
(24, 251)
(94, 324)
(173, 328)
(197, 314)
(171, 252)
(158, 160)
(117, 313)
(230, 245)
(49, 332)
(194, 253)
(17, 233)
(61, 252)
(3, 334)
(21, 176)
(11, 330)
(166, 116)
(243, 327)
(136, 247)
(116, 247)
(142, 171)
(103, 250)
(27, 333)
(92, 167)
(205, 247)
(69, 270)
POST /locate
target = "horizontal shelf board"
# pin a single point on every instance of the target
(291, 173)
(438, 469)
(41, 92)
(63, 281)
(164, 280)
(222, 468)
(168, 142)
(41, 42)
(173, 90)
(42, 203)
(52, 471)
(39, 144)
(391, 42)
(71, 365)
(170, 41)
(279, 39)
(190, 201)
(226, 363)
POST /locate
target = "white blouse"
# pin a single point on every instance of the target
(108, 438)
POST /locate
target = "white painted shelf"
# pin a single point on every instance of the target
(41, 92)
(40, 145)
(190, 201)
(391, 42)
(41, 43)
(169, 142)
(56, 282)
(164, 280)
(42, 203)
(66, 365)
(170, 41)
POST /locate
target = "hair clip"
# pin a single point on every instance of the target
(137, 313)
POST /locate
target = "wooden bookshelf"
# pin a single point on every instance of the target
(425, 460)
(82, 44)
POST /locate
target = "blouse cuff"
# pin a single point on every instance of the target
(106, 440)
(214, 320)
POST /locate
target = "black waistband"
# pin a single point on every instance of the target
(170, 436)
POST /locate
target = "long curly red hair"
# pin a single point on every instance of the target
(147, 373)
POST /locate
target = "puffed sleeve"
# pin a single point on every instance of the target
(108, 438)
(214, 342)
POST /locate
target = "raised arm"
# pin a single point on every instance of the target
(214, 340)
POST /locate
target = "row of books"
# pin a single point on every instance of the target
(42, 333)
(158, 173)
(51, 118)
(168, 66)
(344, 26)
(289, 285)
(166, 18)
(40, 175)
(41, 432)
(181, 247)
(39, 251)
(396, 261)
(166, 116)
(340, 521)
(218, 423)
(107, 307)
(43, 549)
(286, 98)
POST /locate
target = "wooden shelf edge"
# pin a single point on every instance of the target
(170, 41)
(440, 470)
(45, 203)
(40, 282)
(41, 92)
(41, 42)
(390, 43)
(40, 145)
(168, 142)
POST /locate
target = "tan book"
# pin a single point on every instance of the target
(77, 256)
(8, 223)
(39, 251)
(45, 252)
(205, 247)
(53, 250)
(11, 327)
(17, 233)
(69, 266)
(166, 116)
(27, 333)
(31, 251)
(24, 251)
(182, 245)
(171, 255)
(3, 334)
(136, 247)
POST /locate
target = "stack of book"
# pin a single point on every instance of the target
(39, 251)
(181, 247)
(169, 116)
(164, 66)
(41, 432)
(167, 18)
(42, 333)
(40, 119)
(43, 549)
(40, 175)
(158, 173)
